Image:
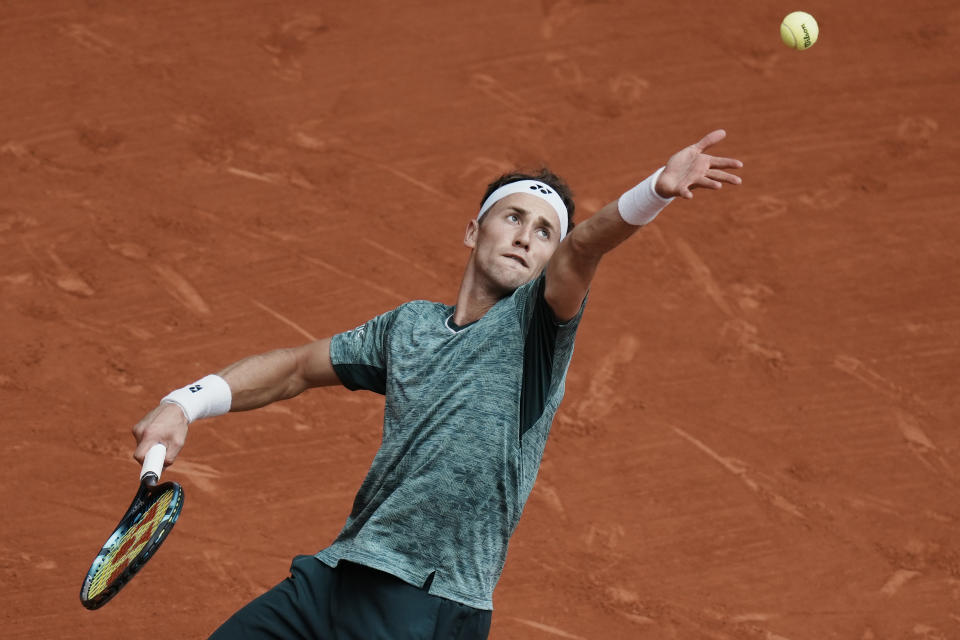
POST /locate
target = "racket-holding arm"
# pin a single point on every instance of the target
(249, 383)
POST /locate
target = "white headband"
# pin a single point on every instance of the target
(534, 188)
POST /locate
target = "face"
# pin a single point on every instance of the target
(514, 240)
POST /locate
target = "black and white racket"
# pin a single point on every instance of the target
(137, 537)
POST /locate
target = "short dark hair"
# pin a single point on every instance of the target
(541, 175)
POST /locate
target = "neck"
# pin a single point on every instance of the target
(475, 297)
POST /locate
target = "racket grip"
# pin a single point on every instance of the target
(153, 462)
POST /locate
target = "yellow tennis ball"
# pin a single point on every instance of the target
(799, 30)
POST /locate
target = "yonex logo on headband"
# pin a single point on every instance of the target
(534, 188)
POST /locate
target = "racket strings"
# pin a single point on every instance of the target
(128, 546)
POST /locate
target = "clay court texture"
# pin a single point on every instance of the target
(759, 438)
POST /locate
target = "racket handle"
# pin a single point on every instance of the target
(153, 463)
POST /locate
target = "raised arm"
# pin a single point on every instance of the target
(573, 265)
(252, 382)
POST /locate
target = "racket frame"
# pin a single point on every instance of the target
(148, 493)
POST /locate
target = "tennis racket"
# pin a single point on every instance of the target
(137, 537)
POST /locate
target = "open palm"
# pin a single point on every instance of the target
(692, 168)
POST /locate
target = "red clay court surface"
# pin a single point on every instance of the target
(760, 433)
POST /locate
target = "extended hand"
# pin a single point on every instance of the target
(691, 168)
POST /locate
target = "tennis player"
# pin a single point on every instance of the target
(471, 391)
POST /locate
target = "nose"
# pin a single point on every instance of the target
(522, 238)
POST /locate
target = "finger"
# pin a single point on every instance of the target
(710, 139)
(725, 163)
(173, 450)
(706, 183)
(141, 451)
(723, 176)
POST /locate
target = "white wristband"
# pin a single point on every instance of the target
(641, 204)
(207, 397)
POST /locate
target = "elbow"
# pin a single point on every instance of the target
(312, 366)
(583, 256)
(298, 380)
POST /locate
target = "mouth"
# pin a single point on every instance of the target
(516, 258)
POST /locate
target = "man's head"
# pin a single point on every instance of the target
(543, 175)
(519, 226)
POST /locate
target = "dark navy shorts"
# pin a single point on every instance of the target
(351, 602)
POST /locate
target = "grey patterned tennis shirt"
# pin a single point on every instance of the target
(466, 419)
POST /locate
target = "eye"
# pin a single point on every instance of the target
(512, 217)
(544, 233)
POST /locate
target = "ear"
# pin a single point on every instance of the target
(470, 235)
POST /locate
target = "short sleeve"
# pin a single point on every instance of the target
(360, 356)
(532, 308)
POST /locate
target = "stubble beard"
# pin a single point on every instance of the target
(504, 281)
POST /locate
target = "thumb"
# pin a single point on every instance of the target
(710, 139)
